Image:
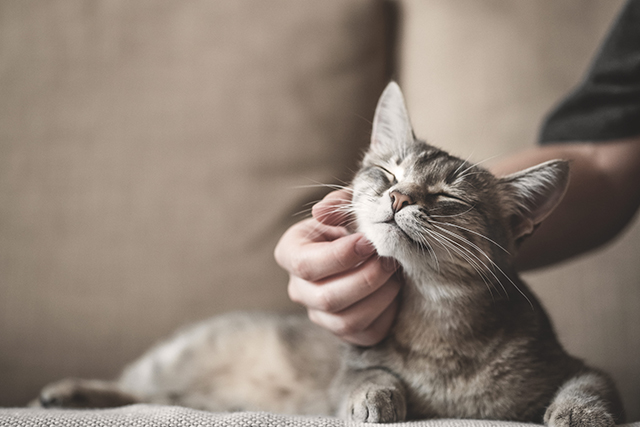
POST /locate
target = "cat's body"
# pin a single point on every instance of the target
(469, 341)
(484, 364)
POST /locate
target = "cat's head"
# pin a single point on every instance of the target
(435, 212)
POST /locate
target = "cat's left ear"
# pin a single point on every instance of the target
(534, 193)
(391, 126)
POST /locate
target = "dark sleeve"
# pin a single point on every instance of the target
(606, 105)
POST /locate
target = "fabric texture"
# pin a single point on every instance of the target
(170, 416)
(152, 154)
(606, 105)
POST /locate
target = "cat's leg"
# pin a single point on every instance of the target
(78, 393)
(586, 400)
(371, 395)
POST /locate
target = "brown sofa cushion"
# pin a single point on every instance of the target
(150, 158)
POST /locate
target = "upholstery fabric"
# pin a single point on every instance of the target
(170, 416)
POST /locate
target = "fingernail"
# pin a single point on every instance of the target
(389, 264)
(363, 247)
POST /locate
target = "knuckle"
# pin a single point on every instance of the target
(371, 278)
(316, 319)
(370, 337)
(341, 326)
(278, 255)
(327, 300)
(285, 247)
(345, 326)
(301, 268)
(340, 256)
(292, 290)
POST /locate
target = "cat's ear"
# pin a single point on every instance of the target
(391, 125)
(534, 193)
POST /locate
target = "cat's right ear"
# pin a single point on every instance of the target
(391, 125)
(533, 194)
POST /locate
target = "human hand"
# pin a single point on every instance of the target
(337, 276)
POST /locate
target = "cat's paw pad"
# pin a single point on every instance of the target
(592, 414)
(378, 405)
(67, 393)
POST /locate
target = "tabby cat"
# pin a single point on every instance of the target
(470, 339)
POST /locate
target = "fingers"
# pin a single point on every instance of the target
(366, 322)
(333, 209)
(335, 274)
(375, 332)
(314, 252)
(336, 293)
(358, 306)
(302, 252)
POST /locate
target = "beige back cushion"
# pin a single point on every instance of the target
(152, 153)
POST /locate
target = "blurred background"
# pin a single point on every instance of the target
(152, 153)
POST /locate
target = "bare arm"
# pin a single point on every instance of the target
(603, 196)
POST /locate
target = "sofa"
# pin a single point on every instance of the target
(152, 153)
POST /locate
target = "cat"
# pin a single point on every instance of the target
(470, 339)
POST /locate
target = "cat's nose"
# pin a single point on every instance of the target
(399, 200)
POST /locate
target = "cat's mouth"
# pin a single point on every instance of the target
(391, 222)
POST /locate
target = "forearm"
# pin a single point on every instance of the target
(603, 195)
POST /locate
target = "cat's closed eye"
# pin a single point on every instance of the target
(448, 197)
(388, 175)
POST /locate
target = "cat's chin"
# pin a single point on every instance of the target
(388, 239)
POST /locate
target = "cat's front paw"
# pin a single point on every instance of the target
(583, 414)
(66, 393)
(372, 404)
(78, 393)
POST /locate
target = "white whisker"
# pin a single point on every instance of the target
(462, 174)
(473, 232)
(461, 251)
(493, 264)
